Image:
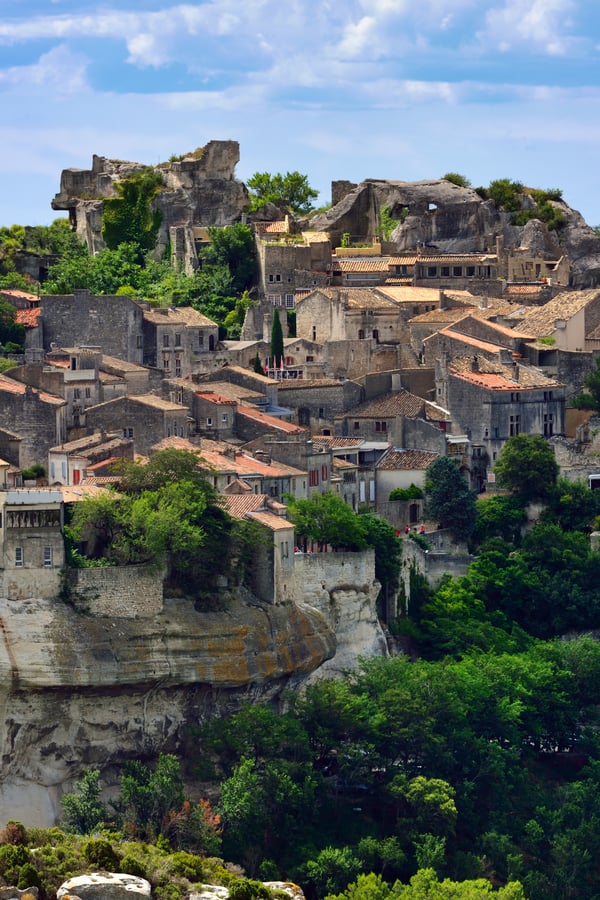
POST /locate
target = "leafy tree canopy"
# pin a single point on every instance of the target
(129, 218)
(527, 466)
(449, 499)
(327, 519)
(233, 246)
(291, 190)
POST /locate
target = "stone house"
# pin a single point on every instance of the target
(36, 418)
(145, 419)
(345, 465)
(177, 338)
(294, 446)
(570, 321)
(113, 324)
(31, 543)
(31, 320)
(215, 415)
(273, 568)
(259, 471)
(399, 418)
(490, 402)
(400, 469)
(316, 402)
(70, 462)
(288, 261)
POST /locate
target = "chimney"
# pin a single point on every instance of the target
(474, 364)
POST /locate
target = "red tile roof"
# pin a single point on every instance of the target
(28, 317)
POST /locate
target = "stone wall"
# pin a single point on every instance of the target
(342, 588)
(121, 592)
(433, 564)
(112, 323)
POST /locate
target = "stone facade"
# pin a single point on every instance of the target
(31, 543)
(145, 419)
(37, 418)
(112, 324)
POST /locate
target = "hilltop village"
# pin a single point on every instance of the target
(418, 322)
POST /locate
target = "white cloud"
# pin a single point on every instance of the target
(541, 23)
(358, 38)
(60, 70)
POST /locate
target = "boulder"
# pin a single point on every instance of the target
(105, 886)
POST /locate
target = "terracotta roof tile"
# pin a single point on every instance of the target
(28, 317)
(406, 459)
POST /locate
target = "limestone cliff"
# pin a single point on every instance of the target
(199, 190)
(77, 690)
(456, 220)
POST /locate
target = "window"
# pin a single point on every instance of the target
(313, 477)
(285, 549)
(514, 397)
(166, 362)
(289, 301)
(381, 426)
(457, 271)
(548, 425)
(225, 418)
(209, 420)
(165, 340)
(361, 334)
(376, 335)
(177, 367)
(200, 339)
(19, 557)
(128, 432)
(88, 393)
(445, 271)
(470, 271)
(356, 426)
(314, 333)
(139, 342)
(77, 394)
(324, 473)
(514, 425)
(547, 396)
(274, 299)
(47, 557)
(431, 271)
(321, 412)
(178, 340)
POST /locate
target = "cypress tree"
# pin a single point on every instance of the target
(276, 340)
(258, 365)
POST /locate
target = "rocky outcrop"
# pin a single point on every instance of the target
(456, 220)
(78, 691)
(199, 190)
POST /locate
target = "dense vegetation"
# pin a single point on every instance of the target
(472, 762)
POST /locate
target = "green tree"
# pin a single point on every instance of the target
(10, 331)
(233, 246)
(147, 795)
(129, 218)
(527, 466)
(572, 505)
(366, 887)
(327, 519)
(448, 498)
(426, 886)
(380, 535)
(258, 366)
(291, 190)
(277, 349)
(332, 870)
(83, 810)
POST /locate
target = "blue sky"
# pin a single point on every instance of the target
(336, 89)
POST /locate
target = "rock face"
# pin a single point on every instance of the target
(456, 220)
(200, 190)
(78, 691)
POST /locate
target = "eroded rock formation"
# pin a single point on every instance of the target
(199, 190)
(79, 691)
(456, 220)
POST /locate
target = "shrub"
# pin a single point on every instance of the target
(14, 833)
(28, 877)
(187, 865)
(102, 854)
(410, 493)
(132, 866)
